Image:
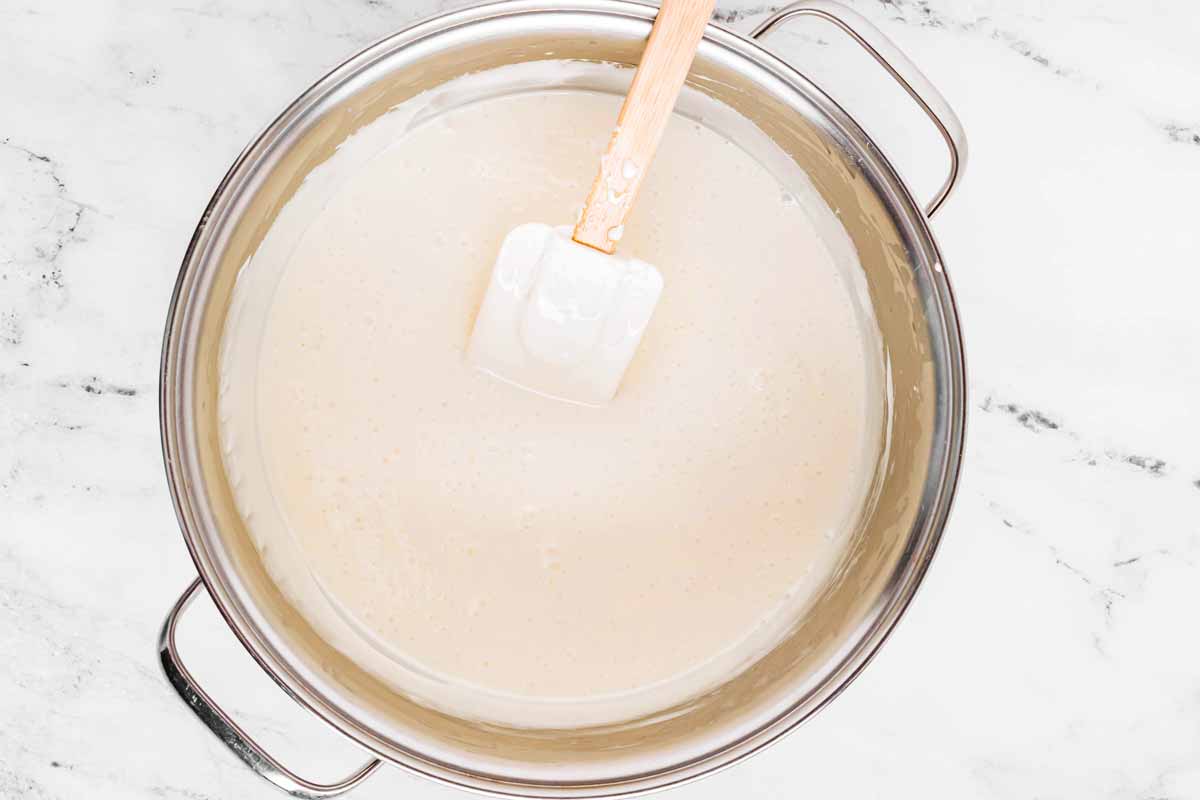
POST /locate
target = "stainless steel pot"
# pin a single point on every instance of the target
(885, 562)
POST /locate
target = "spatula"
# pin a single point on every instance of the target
(562, 315)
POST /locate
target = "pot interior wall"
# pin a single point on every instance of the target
(806, 668)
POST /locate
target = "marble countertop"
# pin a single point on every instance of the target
(1053, 651)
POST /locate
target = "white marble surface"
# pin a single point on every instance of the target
(1053, 651)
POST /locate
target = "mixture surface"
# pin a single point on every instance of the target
(510, 557)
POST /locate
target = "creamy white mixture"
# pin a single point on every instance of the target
(513, 558)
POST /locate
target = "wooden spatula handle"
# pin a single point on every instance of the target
(656, 84)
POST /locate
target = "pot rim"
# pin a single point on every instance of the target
(893, 601)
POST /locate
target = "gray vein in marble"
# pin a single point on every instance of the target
(12, 332)
(1009, 521)
(1106, 595)
(36, 234)
(177, 791)
(276, 21)
(1182, 134)
(1037, 421)
(96, 386)
(1155, 466)
(60, 627)
(1028, 418)
(731, 15)
(225, 14)
(51, 407)
(922, 14)
(20, 787)
(1157, 553)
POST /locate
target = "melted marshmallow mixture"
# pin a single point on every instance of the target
(513, 558)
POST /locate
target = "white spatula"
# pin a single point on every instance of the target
(562, 315)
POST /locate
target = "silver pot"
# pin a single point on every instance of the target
(885, 561)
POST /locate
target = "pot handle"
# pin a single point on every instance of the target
(898, 66)
(228, 731)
